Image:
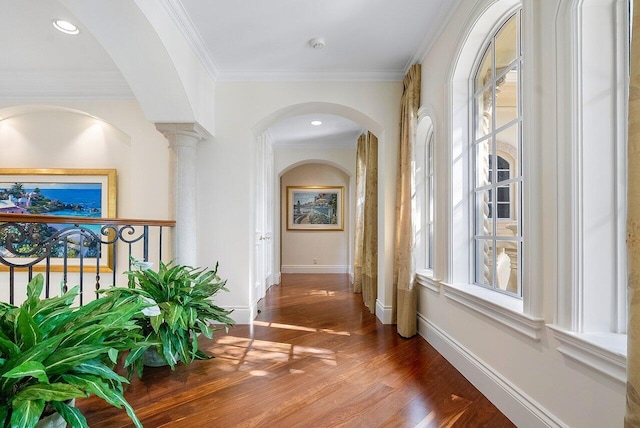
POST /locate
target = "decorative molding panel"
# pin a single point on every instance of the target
(428, 282)
(494, 306)
(604, 352)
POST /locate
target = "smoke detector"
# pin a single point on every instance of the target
(317, 42)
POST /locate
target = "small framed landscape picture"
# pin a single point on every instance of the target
(59, 192)
(315, 208)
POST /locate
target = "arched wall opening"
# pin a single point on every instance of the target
(342, 162)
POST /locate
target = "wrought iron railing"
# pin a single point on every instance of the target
(75, 251)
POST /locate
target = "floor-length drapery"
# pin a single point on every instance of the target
(370, 238)
(403, 266)
(632, 417)
(366, 230)
(358, 252)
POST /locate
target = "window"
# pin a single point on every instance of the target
(424, 196)
(497, 187)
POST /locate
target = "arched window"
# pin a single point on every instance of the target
(497, 187)
(424, 198)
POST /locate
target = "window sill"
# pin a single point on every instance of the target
(504, 309)
(425, 279)
(604, 352)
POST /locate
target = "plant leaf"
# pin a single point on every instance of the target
(4, 414)
(26, 414)
(51, 392)
(9, 348)
(34, 288)
(113, 355)
(28, 368)
(26, 329)
(96, 386)
(66, 359)
(156, 322)
(175, 313)
(96, 367)
(70, 414)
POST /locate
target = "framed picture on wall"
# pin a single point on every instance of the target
(59, 192)
(315, 208)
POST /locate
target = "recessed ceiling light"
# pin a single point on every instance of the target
(316, 123)
(65, 26)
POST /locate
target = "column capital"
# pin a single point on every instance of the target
(173, 131)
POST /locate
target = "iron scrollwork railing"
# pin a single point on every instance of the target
(64, 245)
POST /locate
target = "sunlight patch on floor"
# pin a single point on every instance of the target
(321, 293)
(300, 328)
(241, 351)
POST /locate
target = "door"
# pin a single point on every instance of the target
(264, 198)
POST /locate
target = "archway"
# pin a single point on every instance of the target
(273, 197)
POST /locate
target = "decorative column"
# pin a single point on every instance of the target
(183, 140)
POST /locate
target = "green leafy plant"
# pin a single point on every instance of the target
(184, 310)
(51, 353)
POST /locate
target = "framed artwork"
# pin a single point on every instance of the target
(315, 208)
(60, 192)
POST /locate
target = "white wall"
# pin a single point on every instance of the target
(226, 165)
(322, 251)
(529, 380)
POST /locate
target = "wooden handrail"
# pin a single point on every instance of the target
(35, 218)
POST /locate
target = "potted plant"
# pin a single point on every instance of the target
(51, 353)
(184, 311)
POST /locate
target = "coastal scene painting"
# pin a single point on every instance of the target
(314, 208)
(60, 192)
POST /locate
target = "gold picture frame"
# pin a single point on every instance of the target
(78, 192)
(314, 208)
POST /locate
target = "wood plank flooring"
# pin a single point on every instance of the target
(315, 357)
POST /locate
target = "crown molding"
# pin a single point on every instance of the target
(179, 15)
(310, 76)
(64, 84)
(443, 16)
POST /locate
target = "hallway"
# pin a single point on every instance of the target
(315, 357)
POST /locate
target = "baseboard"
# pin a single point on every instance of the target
(512, 401)
(243, 314)
(314, 269)
(384, 313)
(277, 278)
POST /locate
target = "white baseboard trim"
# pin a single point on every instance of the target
(512, 401)
(384, 313)
(278, 278)
(314, 269)
(243, 314)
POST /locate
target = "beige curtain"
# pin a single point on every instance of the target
(632, 418)
(403, 266)
(366, 233)
(370, 238)
(358, 253)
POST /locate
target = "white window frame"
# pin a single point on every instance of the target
(494, 239)
(591, 315)
(523, 315)
(424, 161)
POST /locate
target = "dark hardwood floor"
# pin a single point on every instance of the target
(315, 357)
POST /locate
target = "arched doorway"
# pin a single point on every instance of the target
(336, 150)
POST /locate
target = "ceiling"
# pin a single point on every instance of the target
(365, 40)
